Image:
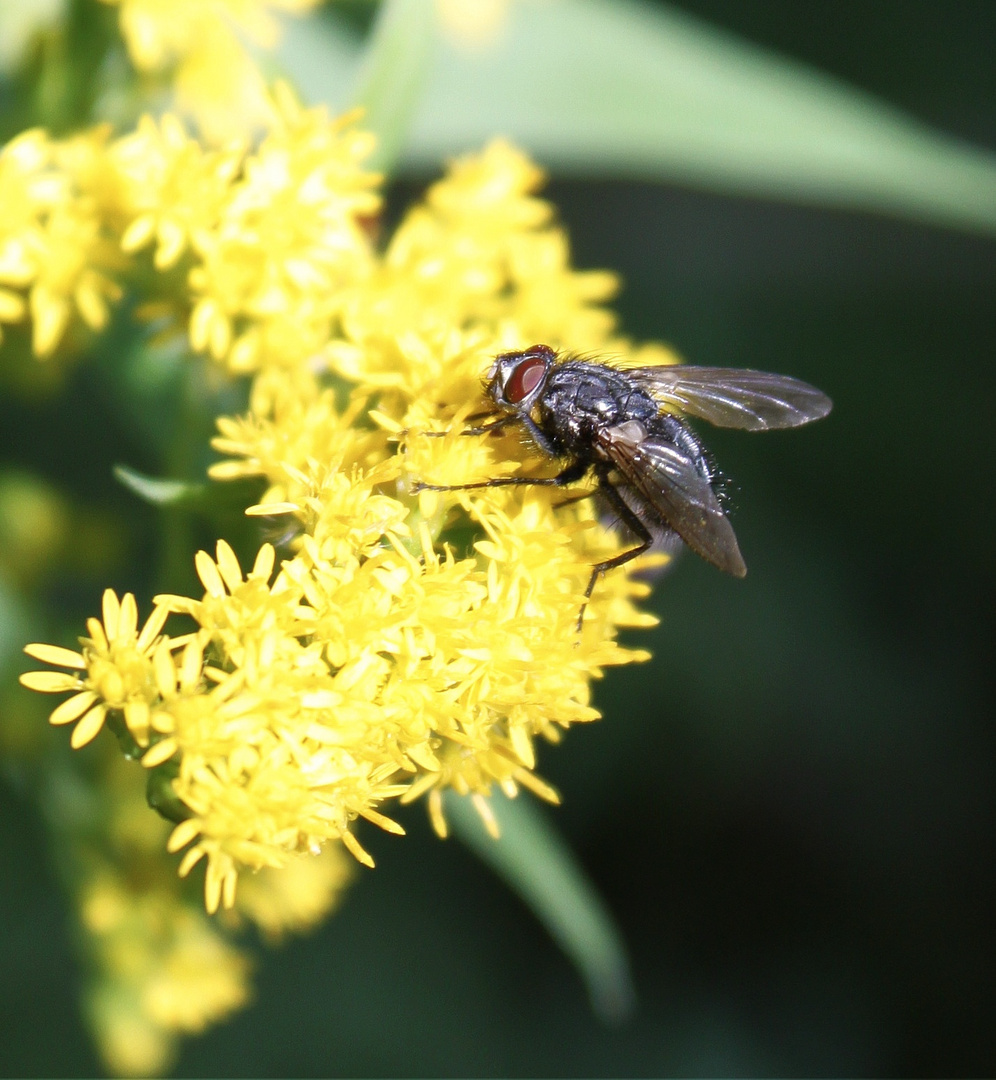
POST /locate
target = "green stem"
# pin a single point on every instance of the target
(391, 78)
(533, 860)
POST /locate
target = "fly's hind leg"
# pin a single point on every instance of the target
(630, 519)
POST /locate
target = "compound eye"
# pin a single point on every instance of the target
(524, 380)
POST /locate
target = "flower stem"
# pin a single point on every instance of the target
(390, 81)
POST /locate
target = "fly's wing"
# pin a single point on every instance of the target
(665, 481)
(734, 397)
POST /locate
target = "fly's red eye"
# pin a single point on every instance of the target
(524, 380)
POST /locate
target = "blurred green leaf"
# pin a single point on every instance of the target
(157, 491)
(14, 622)
(533, 860)
(622, 88)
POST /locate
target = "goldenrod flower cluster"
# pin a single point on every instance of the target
(399, 645)
(375, 661)
(56, 259)
(383, 646)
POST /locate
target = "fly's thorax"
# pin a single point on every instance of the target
(581, 398)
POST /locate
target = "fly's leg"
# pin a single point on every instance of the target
(484, 429)
(568, 475)
(570, 500)
(629, 518)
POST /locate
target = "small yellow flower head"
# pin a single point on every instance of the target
(158, 33)
(173, 188)
(298, 897)
(114, 671)
(289, 240)
(472, 23)
(199, 42)
(278, 751)
(53, 244)
(162, 970)
(155, 966)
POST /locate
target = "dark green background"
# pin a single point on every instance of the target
(791, 809)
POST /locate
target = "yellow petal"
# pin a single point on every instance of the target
(88, 727)
(190, 665)
(111, 610)
(91, 305)
(263, 566)
(208, 573)
(268, 509)
(138, 233)
(172, 240)
(156, 755)
(354, 848)
(127, 618)
(228, 566)
(49, 682)
(12, 307)
(384, 822)
(73, 708)
(486, 814)
(190, 860)
(163, 669)
(228, 889)
(136, 714)
(522, 745)
(50, 314)
(182, 835)
(95, 628)
(153, 625)
(436, 815)
(537, 786)
(54, 654)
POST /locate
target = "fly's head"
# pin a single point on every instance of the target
(517, 379)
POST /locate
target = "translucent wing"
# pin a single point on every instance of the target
(666, 484)
(735, 397)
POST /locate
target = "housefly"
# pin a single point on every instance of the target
(623, 425)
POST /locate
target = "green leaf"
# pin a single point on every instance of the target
(622, 88)
(159, 492)
(533, 860)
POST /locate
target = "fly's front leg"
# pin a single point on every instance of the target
(484, 429)
(626, 515)
(574, 471)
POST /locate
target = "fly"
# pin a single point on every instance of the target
(622, 425)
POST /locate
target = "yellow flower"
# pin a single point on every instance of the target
(52, 237)
(114, 671)
(173, 188)
(162, 970)
(155, 966)
(159, 32)
(289, 239)
(472, 23)
(199, 42)
(297, 897)
(283, 751)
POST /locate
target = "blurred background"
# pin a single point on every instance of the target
(790, 811)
